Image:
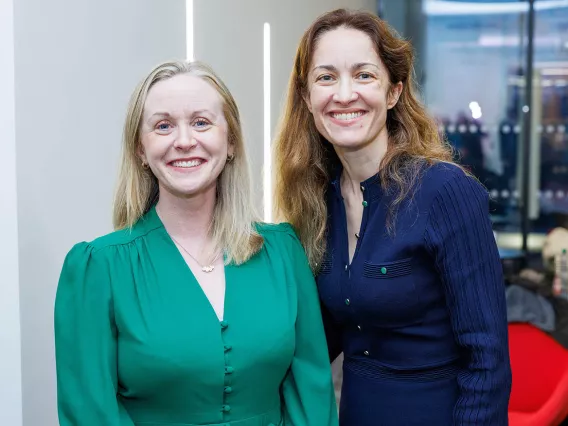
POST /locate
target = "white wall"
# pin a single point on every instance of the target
(76, 64)
(10, 364)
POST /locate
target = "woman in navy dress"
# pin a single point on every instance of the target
(407, 266)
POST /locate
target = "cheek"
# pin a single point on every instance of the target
(319, 98)
(155, 146)
(217, 142)
(146, 145)
(375, 97)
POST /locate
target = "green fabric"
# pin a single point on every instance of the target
(138, 343)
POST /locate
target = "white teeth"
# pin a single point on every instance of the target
(187, 164)
(348, 116)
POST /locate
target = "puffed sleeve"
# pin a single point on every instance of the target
(307, 390)
(85, 343)
(461, 242)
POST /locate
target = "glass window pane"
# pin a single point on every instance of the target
(474, 63)
(549, 143)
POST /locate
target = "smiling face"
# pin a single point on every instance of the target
(349, 91)
(184, 137)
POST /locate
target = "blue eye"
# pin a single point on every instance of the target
(325, 77)
(163, 127)
(365, 76)
(200, 123)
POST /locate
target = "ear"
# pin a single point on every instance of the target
(394, 94)
(306, 97)
(141, 154)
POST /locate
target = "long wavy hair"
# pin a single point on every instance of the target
(137, 191)
(305, 161)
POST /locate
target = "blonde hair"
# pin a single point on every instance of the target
(305, 161)
(234, 217)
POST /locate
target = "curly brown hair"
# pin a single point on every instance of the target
(304, 160)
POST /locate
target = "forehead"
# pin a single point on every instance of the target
(182, 92)
(344, 47)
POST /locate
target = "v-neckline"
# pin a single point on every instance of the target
(179, 256)
(198, 283)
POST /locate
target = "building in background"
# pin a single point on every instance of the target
(473, 73)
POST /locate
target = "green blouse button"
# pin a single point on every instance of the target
(228, 389)
(224, 324)
(229, 370)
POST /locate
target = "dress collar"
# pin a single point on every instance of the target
(370, 187)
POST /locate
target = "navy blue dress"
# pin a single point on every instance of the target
(419, 314)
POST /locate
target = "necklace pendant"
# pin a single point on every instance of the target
(208, 268)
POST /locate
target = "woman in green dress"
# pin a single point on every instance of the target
(192, 312)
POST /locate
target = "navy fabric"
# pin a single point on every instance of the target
(420, 312)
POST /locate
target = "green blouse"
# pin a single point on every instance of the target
(138, 343)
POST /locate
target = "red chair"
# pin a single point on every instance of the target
(540, 378)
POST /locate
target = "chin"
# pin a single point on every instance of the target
(348, 143)
(186, 191)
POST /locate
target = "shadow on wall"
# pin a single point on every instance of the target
(337, 371)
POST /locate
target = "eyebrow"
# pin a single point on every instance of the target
(159, 114)
(167, 114)
(353, 67)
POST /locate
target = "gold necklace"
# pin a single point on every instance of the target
(204, 268)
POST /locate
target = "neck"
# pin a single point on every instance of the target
(362, 163)
(187, 218)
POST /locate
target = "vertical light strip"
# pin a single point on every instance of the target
(189, 30)
(267, 128)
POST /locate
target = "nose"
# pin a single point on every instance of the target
(184, 139)
(345, 93)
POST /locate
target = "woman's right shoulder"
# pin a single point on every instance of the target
(100, 248)
(115, 239)
(89, 266)
(85, 278)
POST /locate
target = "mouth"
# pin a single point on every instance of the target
(347, 117)
(187, 163)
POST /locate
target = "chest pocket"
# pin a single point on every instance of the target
(389, 292)
(387, 270)
(389, 281)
